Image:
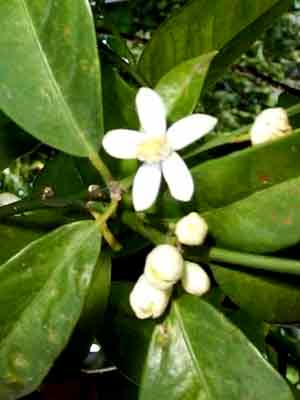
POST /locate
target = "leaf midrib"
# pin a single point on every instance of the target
(189, 347)
(67, 114)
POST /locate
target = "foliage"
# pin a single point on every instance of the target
(73, 246)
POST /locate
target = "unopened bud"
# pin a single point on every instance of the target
(148, 301)
(8, 198)
(191, 229)
(195, 280)
(164, 266)
(270, 124)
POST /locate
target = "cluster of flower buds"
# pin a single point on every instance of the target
(269, 125)
(165, 266)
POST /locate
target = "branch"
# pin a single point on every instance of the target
(252, 72)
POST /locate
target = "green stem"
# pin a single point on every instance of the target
(137, 225)
(123, 65)
(97, 162)
(254, 261)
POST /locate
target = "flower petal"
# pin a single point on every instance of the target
(189, 129)
(151, 111)
(122, 143)
(146, 186)
(178, 177)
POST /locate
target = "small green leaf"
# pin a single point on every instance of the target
(181, 87)
(50, 81)
(193, 353)
(42, 291)
(265, 296)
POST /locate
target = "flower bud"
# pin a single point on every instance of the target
(164, 266)
(271, 124)
(8, 198)
(195, 280)
(148, 301)
(191, 229)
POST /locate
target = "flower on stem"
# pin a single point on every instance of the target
(156, 147)
(147, 301)
(191, 229)
(270, 124)
(164, 266)
(195, 280)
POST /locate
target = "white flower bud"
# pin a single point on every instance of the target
(191, 229)
(8, 198)
(164, 266)
(195, 280)
(148, 301)
(270, 124)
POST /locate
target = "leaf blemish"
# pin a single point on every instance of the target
(264, 179)
(163, 336)
(19, 361)
(287, 221)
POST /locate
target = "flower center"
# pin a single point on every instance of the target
(153, 149)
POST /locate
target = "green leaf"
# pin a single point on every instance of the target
(50, 81)
(42, 291)
(265, 296)
(13, 142)
(201, 27)
(193, 353)
(181, 87)
(228, 179)
(266, 221)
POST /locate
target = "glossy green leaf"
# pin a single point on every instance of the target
(225, 180)
(193, 353)
(201, 27)
(13, 142)
(42, 291)
(266, 221)
(181, 87)
(50, 81)
(265, 296)
(231, 178)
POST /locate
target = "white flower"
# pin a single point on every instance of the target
(8, 198)
(156, 147)
(195, 280)
(191, 229)
(164, 266)
(148, 301)
(271, 124)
